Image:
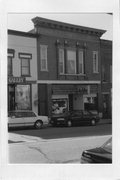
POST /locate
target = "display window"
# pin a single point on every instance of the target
(22, 97)
(90, 103)
(59, 106)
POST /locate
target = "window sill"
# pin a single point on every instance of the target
(44, 70)
(95, 72)
(72, 74)
(26, 76)
(106, 82)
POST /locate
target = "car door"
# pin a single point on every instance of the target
(16, 119)
(86, 116)
(76, 117)
(29, 118)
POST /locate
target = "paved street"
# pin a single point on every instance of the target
(55, 145)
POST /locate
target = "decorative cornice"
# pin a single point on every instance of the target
(47, 23)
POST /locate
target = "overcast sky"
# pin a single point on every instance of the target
(22, 22)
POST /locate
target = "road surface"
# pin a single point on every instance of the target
(55, 145)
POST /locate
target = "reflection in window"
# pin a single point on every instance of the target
(22, 97)
(71, 62)
(59, 106)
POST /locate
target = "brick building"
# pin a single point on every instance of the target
(106, 78)
(69, 67)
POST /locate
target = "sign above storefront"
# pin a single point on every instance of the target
(18, 80)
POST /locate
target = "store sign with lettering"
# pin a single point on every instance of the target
(18, 80)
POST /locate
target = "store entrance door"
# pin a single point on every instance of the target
(11, 97)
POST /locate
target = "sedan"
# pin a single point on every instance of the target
(26, 118)
(101, 154)
(76, 117)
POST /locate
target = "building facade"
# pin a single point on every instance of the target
(22, 71)
(57, 67)
(106, 78)
(69, 67)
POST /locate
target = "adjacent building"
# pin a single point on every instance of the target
(106, 77)
(22, 71)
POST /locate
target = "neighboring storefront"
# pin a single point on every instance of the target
(22, 71)
(19, 94)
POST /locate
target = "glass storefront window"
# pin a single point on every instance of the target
(90, 103)
(59, 106)
(22, 97)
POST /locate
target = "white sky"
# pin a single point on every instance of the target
(22, 21)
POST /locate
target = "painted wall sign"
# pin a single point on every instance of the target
(12, 80)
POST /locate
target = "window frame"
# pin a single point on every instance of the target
(63, 60)
(83, 65)
(46, 59)
(95, 62)
(28, 57)
(11, 54)
(11, 59)
(75, 60)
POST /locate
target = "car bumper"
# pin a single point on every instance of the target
(85, 160)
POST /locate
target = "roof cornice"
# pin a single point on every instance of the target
(47, 23)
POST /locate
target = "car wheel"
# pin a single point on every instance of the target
(93, 122)
(38, 124)
(69, 123)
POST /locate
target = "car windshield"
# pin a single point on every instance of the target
(108, 145)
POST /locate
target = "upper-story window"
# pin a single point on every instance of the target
(43, 57)
(80, 62)
(61, 61)
(71, 61)
(25, 63)
(9, 65)
(95, 61)
(103, 73)
(10, 61)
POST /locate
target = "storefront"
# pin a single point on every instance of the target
(60, 98)
(19, 94)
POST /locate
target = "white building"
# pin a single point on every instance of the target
(22, 71)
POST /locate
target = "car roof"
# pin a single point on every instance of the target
(21, 111)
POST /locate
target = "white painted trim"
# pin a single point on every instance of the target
(66, 82)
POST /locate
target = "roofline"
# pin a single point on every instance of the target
(43, 22)
(106, 41)
(21, 33)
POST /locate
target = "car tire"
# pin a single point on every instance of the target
(93, 122)
(38, 124)
(69, 123)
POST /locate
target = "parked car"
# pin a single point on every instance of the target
(26, 118)
(75, 117)
(101, 154)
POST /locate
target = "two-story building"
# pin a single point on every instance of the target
(22, 71)
(68, 67)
